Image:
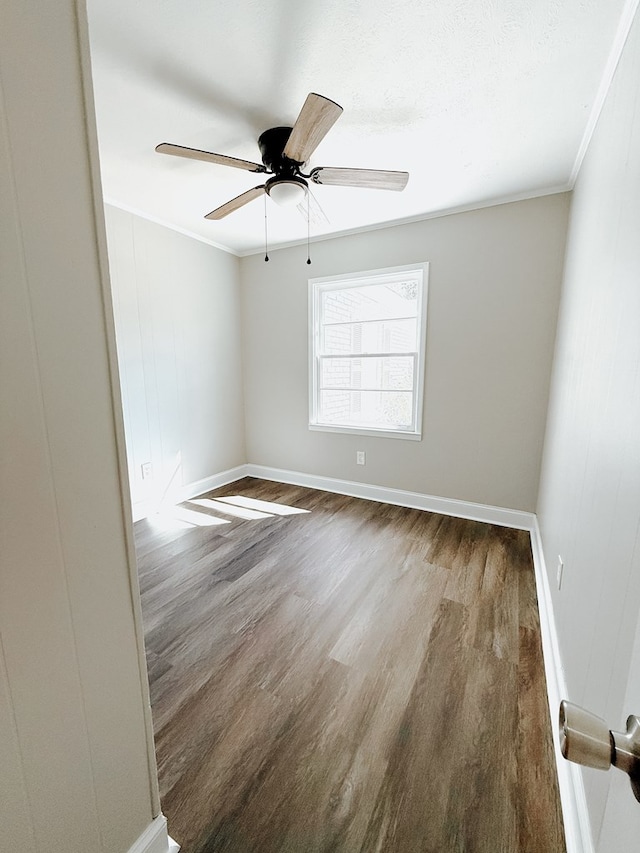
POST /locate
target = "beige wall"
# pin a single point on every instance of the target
(493, 294)
(589, 506)
(177, 314)
(74, 759)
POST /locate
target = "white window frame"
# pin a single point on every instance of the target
(317, 286)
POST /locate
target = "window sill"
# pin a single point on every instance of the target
(378, 433)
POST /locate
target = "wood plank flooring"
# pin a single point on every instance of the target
(356, 678)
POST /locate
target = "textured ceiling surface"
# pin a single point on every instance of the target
(478, 100)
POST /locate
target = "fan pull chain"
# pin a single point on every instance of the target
(308, 228)
(266, 254)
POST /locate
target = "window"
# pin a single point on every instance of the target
(367, 342)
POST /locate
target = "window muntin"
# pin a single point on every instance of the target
(367, 351)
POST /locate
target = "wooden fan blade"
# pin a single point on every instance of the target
(235, 203)
(316, 118)
(376, 179)
(209, 156)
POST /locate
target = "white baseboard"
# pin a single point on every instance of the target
(143, 509)
(415, 500)
(577, 826)
(155, 839)
(399, 497)
(192, 490)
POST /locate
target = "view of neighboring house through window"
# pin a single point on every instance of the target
(367, 341)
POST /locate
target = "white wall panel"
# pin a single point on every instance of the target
(17, 828)
(177, 311)
(589, 503)
(74, 724)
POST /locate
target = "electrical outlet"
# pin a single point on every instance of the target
(559, 571)
(360, 457)
(147, 470)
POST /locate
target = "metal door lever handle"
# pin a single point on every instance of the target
(586, 739)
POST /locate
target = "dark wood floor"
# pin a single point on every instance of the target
(358, 678)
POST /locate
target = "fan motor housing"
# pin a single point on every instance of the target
(271, 144)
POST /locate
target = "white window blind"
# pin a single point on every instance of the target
(367, 339)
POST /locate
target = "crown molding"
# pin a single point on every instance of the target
(422, 217)
(619, 41)
(378, 226)
(155, 219)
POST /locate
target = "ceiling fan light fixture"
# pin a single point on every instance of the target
(285, 150)
(287, 192)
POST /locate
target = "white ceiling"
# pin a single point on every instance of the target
(479, 100)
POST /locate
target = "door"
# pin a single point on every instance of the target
(621, 824)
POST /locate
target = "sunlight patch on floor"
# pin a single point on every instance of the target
(230, 509)
(199, 511)
(264, 506)
(181, 518)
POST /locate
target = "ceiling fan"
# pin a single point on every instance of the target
(284, 152)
